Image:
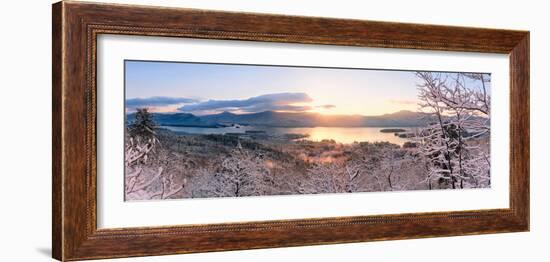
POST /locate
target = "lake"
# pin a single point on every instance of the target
(344, 135)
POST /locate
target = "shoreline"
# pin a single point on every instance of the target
(263, 136)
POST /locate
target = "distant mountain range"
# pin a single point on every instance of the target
(283, 119)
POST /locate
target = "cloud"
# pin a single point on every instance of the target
(276, 102)
(326, 106)
(157, 101)
(402, 101)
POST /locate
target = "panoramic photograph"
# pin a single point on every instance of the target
(207, 130)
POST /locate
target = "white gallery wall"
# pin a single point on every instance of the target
(25, 130)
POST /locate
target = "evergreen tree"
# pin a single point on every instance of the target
(143, 126)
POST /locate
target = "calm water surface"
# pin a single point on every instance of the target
(339, 134)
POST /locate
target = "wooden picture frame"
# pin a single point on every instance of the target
(76, 26)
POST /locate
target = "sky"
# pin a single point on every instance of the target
(201, 88)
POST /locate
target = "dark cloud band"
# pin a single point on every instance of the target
(157, 101)
(280, 101)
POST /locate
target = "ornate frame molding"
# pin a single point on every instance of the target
(76, 26)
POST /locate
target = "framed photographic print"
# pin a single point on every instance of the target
(182, 130)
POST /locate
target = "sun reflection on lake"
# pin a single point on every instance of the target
(348, 135)
(344, 135)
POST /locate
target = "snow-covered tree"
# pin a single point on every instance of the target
(142, 179)
(372, 167)
(242, 173)
(385, 167)
(455, 144)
